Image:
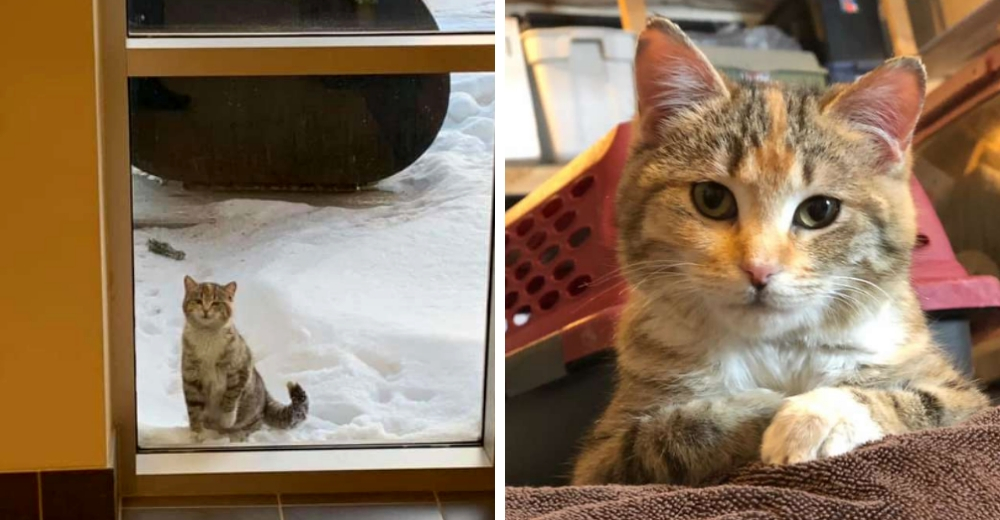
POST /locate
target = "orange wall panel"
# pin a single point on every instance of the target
(51, 338)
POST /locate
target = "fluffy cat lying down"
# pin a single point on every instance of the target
(222, 389)
(765, 231)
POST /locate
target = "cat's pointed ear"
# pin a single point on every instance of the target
(230, 289)
(885, 103)
(671, 76)
(190, 284)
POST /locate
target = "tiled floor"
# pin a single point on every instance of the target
(412, 506)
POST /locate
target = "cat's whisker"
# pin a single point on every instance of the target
(851, 302)
(872, 298)
(634, 268)
(679, 291)
(650, 271)
(862, 280)
(608, 276)
(657, 264)
(855, 293)
(843, 309)
(855, 289)
(608, 282)
(660, 275)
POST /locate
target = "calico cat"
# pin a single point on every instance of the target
(765, 234)
(223, 390)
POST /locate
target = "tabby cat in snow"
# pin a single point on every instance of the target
(765, 234)
(223, 390)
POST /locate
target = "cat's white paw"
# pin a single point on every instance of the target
(822, 423)
(200, 436)
(228, 419)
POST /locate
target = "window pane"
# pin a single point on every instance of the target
(309, 16)
(353, 215)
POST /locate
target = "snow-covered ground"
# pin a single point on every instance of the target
(375, 302)
(464, 15)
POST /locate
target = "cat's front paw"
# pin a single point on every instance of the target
(822, 423)
(227, 419)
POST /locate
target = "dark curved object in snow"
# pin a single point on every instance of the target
(323, 132)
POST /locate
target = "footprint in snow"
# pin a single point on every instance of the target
(149, 327)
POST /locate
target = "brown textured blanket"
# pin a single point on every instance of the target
(945, 473)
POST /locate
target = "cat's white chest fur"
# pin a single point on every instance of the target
(211, 348)
(786, 369)
(814, 361)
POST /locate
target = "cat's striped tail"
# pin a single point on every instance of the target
(277, 415)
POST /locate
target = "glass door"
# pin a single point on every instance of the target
(310, 223)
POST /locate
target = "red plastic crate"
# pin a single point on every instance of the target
(561, 270)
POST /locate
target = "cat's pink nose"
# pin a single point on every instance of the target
(760, 273)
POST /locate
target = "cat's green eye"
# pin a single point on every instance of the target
(817, 212)
(714, 200)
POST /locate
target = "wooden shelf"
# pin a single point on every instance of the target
(949, 51)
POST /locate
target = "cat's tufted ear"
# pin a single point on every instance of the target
(671, 76)
(230, 289)
(190, 284)
(885, 103)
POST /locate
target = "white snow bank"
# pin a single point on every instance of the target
(375, 302)
(463, 15)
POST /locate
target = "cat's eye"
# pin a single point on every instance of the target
(817, 212)
(714, 200)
